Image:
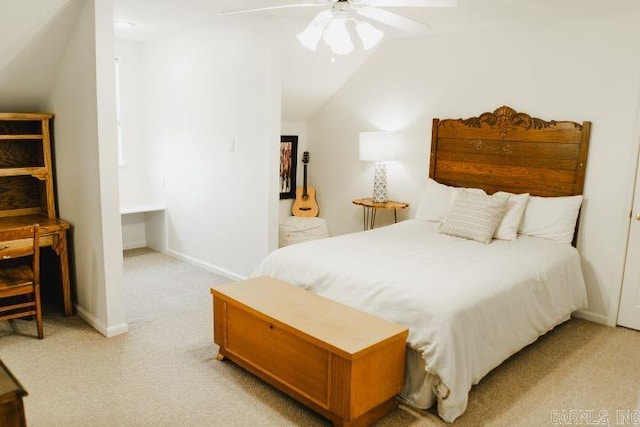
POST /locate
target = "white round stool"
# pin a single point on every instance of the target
(294, 229)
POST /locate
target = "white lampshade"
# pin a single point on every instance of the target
(311, 35)
(377, 146)
(337, 36)
(331, 26)
(369, 34)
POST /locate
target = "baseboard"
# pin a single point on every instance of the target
(134, 245)
(593, 317)
(99, 326)
(209, 267)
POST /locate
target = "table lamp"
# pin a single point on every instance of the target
(378, 147)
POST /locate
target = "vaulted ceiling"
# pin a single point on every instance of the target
(33, 34)
(309, 79)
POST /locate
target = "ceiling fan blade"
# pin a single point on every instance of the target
(283, 6)
(409, 3)
(393, 20)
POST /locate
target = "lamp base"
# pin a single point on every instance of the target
(380, 183)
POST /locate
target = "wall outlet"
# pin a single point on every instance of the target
(232, 145)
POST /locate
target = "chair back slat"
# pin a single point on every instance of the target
(20, 280)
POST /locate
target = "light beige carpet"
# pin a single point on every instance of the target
(164, 372)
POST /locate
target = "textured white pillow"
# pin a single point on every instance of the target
(475, 216)
(508, 228)
(552, 218)
(438, 199)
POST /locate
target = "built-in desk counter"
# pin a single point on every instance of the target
(143, 226)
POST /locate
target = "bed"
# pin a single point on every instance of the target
(468, 305)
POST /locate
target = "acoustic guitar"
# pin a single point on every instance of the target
(305, 204)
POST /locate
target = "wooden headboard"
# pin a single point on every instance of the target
(510, 151)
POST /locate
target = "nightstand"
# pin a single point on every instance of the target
(370, 208)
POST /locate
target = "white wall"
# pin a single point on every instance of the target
(581, 70)
(308, 77)
(134, 230)
(299, 129)
(137, 192)
(33, 35)
(82, 97)
(203, 90)
(135, 185)
(108, 166)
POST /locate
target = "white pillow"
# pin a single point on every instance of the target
(552, 218)
(508, 229)
(438, 199)
(475, 216)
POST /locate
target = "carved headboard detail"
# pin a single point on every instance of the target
(506, 117)
(510, 151)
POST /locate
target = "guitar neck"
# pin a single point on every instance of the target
(304, 182)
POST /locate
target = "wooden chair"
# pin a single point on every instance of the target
(19, 278)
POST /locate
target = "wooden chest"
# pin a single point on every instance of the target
(343, 363)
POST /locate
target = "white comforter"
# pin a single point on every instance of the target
(468, 306)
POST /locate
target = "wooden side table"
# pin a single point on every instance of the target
(11, 394)
(370, 207)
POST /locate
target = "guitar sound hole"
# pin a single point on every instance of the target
(305, 197)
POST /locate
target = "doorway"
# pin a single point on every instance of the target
(629, 311)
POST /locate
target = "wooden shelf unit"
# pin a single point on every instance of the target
(26, 177)
(27, 194)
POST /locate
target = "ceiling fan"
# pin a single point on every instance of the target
(330, 24)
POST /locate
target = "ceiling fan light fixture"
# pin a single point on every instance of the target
(310, 37)
(337, 36)
(331, 23)
(369, 35)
